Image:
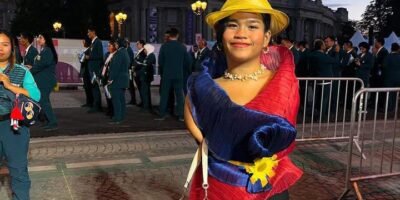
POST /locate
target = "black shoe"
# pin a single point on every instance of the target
(93, 110)
(86, 105)
(51, 128)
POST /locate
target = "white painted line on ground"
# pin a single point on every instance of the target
(103, 163)
(171, 157)
(42, 168)
(107, 136)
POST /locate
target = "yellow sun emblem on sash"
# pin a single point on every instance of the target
(262, 169)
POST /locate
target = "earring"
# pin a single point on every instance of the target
(265, 50)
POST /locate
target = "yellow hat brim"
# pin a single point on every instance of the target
(279, 20)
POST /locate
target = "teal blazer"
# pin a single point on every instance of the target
(119, 66)
(44, 69)
(95, 61)
(173, 60)
(321, 65)
(30, 56)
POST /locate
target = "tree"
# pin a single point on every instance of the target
(378, 15)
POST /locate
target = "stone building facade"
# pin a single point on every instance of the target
(7, 13)
(149, 19)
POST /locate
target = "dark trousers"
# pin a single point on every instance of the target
(14, 146)
(118, 103)
(88, 88)
(176, 85)
(139, 86)
(132, 91)
(46, 105)
(96, 96)
(145, 94)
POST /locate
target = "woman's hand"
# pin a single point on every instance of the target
(5, 80)
(28, 66)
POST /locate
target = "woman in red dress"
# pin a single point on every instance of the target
(245, 119)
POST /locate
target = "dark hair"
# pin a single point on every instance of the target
(330, 37)
(220, 27)
(364, 45)
(173, 32)
(49, 43)
(121, 42)
(318, 44)
(113, 42)
(87, 41)
(167, 32)
(92, 28)
(11, 59)
(348, 42)
(380, 40)
(395, 47)
(302, 43)
(28, 36)
(142, 42)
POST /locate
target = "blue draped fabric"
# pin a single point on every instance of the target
(234, 132)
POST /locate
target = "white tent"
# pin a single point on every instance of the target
(357, 38)
(390, 40)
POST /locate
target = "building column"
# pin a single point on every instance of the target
(317, 29)
(299, 29)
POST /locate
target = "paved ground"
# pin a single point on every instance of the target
(153, 165)
(129, 161)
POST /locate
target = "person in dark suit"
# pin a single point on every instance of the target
(131, 74)
(31, 52)
(119, 81)
(173, 58)
(334, 51)
(105, 74)
(321, 65)
(202, 54)
(302, 69)
(146, 76)
(290, 45)
(364, 63)
(347, 61)
(382, 52)
(391, 73)
(95, 62)
(138, 62)
(44, 72)
(85, 75)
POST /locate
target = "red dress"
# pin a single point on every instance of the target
(280, 97)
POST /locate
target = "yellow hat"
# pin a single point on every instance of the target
(279, 20)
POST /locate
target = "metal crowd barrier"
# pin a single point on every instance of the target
(325, 107)
(379, 147)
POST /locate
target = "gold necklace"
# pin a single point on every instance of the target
(245, 77)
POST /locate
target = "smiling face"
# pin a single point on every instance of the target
(244, 37)
(5, 48)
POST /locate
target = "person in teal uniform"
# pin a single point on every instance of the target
(31, 52)
(391, 72)
(14, 144)
(95, 63)
(44, 72)
(119, 81)
(321, 65)
(131, 89)
(173, 61)
(364, 64)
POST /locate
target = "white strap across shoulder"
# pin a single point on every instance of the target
(201, 155)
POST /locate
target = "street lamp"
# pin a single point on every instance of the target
(57, 26)
(121, 18)
(199, 7)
